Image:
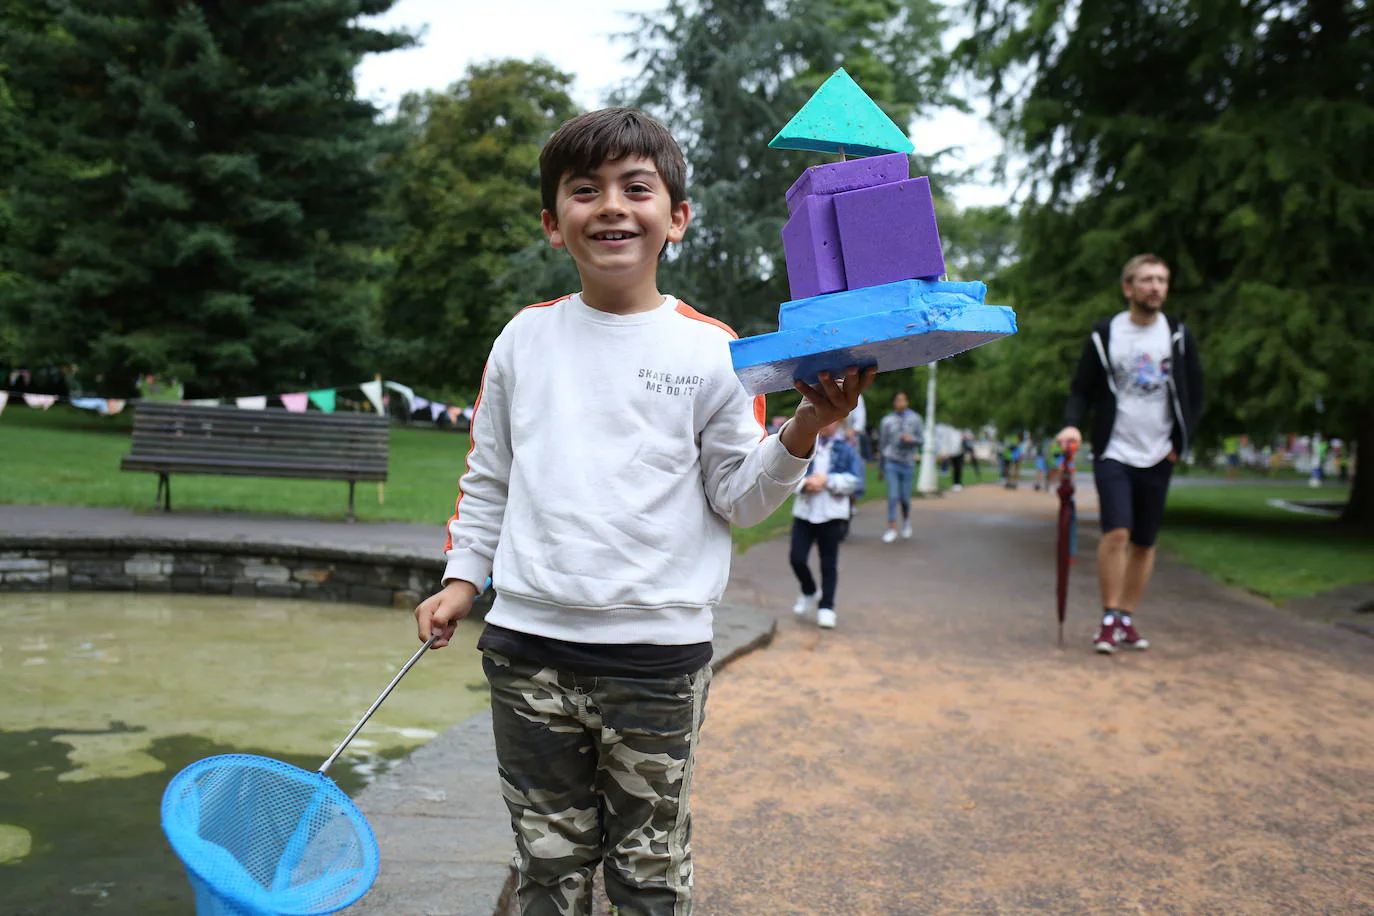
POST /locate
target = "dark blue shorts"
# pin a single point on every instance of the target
(1132, 498)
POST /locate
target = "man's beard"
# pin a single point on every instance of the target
(1149, 305)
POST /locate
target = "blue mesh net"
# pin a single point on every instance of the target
(263, 838)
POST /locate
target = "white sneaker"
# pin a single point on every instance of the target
(825, 618)
(906, 529)
(806, 603)
(889, 535)
(957, 487)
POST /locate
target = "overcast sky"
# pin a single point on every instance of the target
(578, 39)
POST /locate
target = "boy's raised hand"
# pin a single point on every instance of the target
(829, 400)
(441, 611)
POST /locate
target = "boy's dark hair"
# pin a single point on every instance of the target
(587, 141)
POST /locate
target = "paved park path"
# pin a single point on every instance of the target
(938, 754)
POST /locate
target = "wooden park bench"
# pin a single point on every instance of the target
(170, 438)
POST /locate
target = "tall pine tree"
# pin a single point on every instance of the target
(216, 221)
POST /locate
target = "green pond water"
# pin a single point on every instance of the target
(105, 697)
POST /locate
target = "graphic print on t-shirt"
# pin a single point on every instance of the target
(1141, 363)
(1144, 377)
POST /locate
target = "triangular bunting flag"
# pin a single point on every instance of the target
(324, 399)
(373, 390)
(296, 402)
(436, 410)
(841, 118)
(453, 414)
(114, 406)
(406, 393)
(40, 401)
(256, 402)
(96, 404)
(420, 404)
(4, 399)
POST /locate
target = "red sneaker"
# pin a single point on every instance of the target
(1106, 639)
(1128, 638)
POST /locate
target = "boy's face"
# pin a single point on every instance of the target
(615, 220)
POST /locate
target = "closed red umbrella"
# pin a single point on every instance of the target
(1067, 545)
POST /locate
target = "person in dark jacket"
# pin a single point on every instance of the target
(1141, 378)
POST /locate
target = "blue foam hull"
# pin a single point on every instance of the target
(869, 300)
(893, 339)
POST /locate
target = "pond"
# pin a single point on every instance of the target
(104, 697)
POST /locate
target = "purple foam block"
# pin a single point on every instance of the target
(889, 234)
(811, 243)
(835, 177)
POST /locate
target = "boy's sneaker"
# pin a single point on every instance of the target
(825, 618)
(1128, 638)
(806, 603)
(1106, 639)
(889, 535)
(906, 529)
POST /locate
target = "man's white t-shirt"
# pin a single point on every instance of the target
(1141, 363)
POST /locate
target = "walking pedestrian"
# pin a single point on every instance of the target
(820, 516)
(1140, 376)
(899, 437)
(956, 461)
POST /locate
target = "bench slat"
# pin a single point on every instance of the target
(175, 438)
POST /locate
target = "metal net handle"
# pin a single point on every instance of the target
(386, 692)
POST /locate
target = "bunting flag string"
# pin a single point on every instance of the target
(322, 399)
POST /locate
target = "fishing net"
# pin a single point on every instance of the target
(260, 837)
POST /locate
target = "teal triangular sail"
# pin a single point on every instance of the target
(841, 118)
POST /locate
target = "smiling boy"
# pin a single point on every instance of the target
(612, 447)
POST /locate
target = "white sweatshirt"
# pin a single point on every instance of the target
(610, 454)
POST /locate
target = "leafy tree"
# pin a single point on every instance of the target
(467, 199)
(20, 132)
(1229, 136)
(217, 213)
(725, 76)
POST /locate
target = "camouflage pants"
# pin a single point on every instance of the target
(597, 770)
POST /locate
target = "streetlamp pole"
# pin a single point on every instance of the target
(928, 480)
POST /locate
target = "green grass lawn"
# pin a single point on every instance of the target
(65, 456)
(1232, 534)
(71, 457)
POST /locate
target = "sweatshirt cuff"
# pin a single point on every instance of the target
(469, 567)
(781, 465)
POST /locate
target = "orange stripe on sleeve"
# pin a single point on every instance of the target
(760, 402)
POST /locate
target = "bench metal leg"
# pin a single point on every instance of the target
(164, 492)
(351, 484)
